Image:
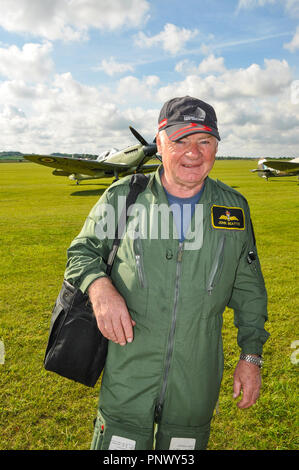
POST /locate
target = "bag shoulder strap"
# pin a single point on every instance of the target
(138, 184)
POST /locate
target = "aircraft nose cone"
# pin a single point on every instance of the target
(150, 150)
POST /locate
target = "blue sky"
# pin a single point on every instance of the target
(74, 74)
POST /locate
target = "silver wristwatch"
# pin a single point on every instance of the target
(258, 361)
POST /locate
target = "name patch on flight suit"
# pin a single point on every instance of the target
(229, 218)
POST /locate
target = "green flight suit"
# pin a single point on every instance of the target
(171, 373)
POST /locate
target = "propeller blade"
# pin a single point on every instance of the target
(148, 149)
(138, 136)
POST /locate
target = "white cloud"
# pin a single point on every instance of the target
(186, 67)
(263, 126)
(253, 3)
(291, 6)
(210, 64)
(256, 81)
(172, 39)
(10, 112)
(255, 113)
(32, 62)
(253, 81)
(294, 44)
(111, 67)
(70, 19)
(136, 91)
(65, 115)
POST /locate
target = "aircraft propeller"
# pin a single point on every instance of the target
(148, 149)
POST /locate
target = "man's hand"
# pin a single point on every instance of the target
(113, 318)
(247, 377)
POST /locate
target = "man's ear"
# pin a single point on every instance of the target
(158, 142)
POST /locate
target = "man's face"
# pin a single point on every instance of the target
(186, 162)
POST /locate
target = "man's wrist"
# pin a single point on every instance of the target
(252, 359)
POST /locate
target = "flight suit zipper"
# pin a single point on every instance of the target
(170, 342)
(218, 260)
(139, 262)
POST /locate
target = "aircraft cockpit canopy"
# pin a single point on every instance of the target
(106, 154)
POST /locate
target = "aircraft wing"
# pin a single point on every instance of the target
(76, 165)
(282, 166)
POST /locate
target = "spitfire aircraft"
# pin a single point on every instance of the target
(273, 168)
(110, 163)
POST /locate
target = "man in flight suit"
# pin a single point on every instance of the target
(162, 306)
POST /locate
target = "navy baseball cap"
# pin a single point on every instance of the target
(181, 117)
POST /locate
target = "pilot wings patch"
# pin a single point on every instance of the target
(229, 218)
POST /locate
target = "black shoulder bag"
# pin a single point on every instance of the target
(76, 348)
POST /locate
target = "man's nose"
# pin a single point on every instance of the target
(194, 150)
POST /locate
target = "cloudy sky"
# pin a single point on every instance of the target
(74, 74)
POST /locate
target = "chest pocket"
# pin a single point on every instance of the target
(216, 269)
(220, 273)
(129, 276)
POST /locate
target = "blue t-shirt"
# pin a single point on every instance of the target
(183, 209)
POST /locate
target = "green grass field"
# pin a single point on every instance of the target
(40, 215)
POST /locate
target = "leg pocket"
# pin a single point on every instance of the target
(175, 437)
(98, 433)
(115, 435)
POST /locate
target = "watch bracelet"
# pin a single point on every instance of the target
(252, 359)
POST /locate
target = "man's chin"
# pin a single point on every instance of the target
(191, 177)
